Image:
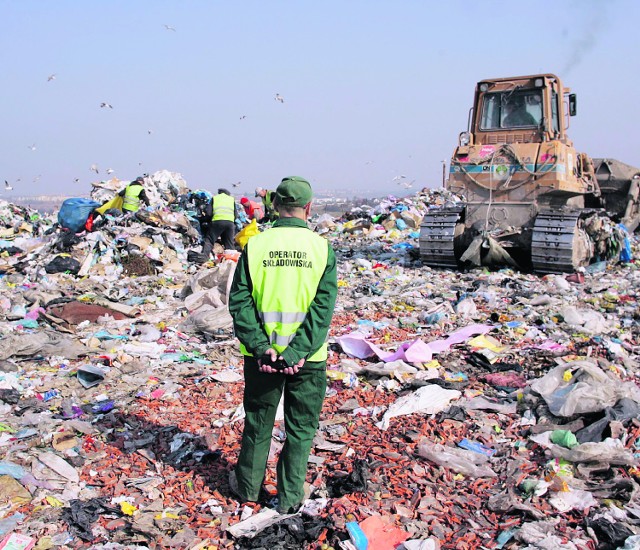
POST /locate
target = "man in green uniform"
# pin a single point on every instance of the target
(282, 300)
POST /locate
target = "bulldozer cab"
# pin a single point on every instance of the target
(528, 109)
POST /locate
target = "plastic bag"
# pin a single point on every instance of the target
(62, 263)
(465, 462)
(625, 253)
(74, 212)
(115, 203)
(246, 233)
(581, 387)
(426, 400)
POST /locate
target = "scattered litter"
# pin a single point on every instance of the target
(484, 408)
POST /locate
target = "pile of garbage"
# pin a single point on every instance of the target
(484, 409)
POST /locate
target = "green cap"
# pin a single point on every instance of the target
(294, 191)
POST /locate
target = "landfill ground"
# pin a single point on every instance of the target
(465, 410)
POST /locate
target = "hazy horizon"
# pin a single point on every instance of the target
(348, 95)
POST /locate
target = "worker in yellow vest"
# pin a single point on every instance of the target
(270, 213)
(133, 194)
(222, 213)
(281, 300)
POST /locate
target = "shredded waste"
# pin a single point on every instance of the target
(475, 409)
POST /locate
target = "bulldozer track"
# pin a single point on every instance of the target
(437, 237)
(554, 241)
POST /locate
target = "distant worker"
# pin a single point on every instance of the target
(222, 213)
(197, 203)
(133, 194)
(253, 209)
(267, 196)
(517, 114)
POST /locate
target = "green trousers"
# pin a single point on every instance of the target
(303, 396)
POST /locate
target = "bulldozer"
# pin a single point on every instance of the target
(529, 199)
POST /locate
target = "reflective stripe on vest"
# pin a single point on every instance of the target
(223, 208)
(285, 267)
(131, 200)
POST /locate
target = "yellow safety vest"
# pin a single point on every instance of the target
(268, 205)
(285, 271)
(223, 208)
(131, 200)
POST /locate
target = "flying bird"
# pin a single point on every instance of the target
(279, 98)
(105, 104)
(7, 187)
(32, 147)
(236, 184)
(243, 117)
(408, 185)
(149, 132)
(109, 170)
(51, 77)
(37, 178)
(169, 28)
(94, 168)
(76, 180)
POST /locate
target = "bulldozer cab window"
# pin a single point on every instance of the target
(511, 110)
(555, 119)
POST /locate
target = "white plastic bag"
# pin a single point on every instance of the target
(427, 400)
(462, 461)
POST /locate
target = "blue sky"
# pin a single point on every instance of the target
(372, 89)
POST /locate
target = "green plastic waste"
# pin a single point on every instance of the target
(564, 438)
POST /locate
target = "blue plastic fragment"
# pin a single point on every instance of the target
(358, 538)
(476, 447)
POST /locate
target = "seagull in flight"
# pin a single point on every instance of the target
(105, 104)
(236, 184)
(109, 170)
(169, 28)
(408, 185)
(32, 147)
(243, 117)
(94, 168)
(37, 178)
(7, 187)
(51, 77)
(76, 180)
(149, 132)
(396, 178)
(279, 98)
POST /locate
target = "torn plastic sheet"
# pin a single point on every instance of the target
(540, 535)
(292, 533)
(609, 451)
(564, 501)
(253, 525)
(46, 342)
(382, 534)
(465, 462)
(582, 387)
(429, 399)
(355, 482)
(59, 465)
(81, 515)
(416, 351)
